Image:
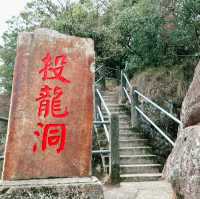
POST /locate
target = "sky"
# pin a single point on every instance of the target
(11, 8)
(8, 9)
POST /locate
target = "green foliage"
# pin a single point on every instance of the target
(6, 74)
(140, 30)
(135, 32)
(187, 33)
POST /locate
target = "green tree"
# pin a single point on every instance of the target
(80, 19)
(187, 34)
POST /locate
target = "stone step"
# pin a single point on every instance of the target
(117, 112)
(122, 117)
(113, 110)
(121, 114)
(111, 101)
(133, 142)
(137, 159)
(143, 150)
(126, 129)
(137, 163)
(110, 96)
(140, 177)
(109, 92)
(129, 132)
(123, 126)
(140, 168)
(129, 135)
(125, 122)
(114, 105)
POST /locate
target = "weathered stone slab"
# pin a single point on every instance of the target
(51, 115)
(62, 188)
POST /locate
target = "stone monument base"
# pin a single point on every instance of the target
(62, 188)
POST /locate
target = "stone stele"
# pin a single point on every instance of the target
(51, 114)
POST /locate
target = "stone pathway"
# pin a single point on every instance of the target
(138, 163)
(139, 190)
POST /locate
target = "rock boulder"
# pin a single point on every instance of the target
(183, 165)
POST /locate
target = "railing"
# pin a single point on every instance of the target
(111, 130)
(132, 95)
(3, 119)
(101, 73)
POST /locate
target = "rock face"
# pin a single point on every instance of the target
(183, 165)
(51, 115)
(190, 114)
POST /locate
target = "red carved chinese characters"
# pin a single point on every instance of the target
(49, 104)
(54, 72)
(53, 135)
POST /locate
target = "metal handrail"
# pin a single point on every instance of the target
(101, 122)
(103, 102)
(127, 95)
(100, 151)
(104, 126)
(98, 68)
(126, 78)
(158, 107)
(152, 103)
(97, 81)
(156, 127)
(103, 77)
(4, 119)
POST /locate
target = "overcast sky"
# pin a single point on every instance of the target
(11, 8)
(8, 9)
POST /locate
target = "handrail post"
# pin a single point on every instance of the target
(104, 83)
(134, 113)
(118, 74)
(114, 149)
(123, 84)
(97, 103)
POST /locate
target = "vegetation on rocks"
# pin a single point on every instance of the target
(167, 87)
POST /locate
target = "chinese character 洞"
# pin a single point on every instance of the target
(49, 103)
(54, 72)
(54, 136)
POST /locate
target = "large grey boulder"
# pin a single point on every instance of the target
(183, 165)
(190, 113)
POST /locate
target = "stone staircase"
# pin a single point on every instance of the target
(137, 162)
